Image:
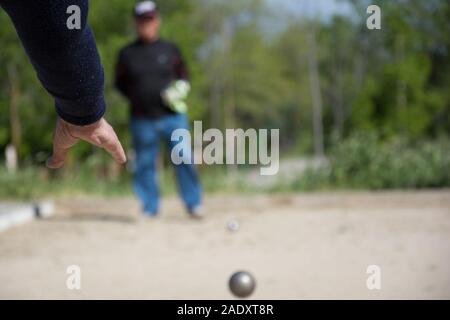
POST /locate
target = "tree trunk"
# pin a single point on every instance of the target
(14, 117)
(215, 100)
(338, 103)
(316, 95)
(401, 85)
(228, 94)
(215, 77)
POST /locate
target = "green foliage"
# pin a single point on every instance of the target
(402, 92)
(365, 161)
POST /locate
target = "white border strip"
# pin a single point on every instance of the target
(12, 214)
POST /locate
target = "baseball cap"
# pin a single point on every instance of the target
(145, 9)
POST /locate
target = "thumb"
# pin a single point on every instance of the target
(57, 160)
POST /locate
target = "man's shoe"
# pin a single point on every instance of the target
(196, 213)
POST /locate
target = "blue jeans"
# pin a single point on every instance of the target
(146, 138)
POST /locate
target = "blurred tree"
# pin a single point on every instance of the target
(245, 74)
(400, 94)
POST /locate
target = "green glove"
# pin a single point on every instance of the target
(175, 95)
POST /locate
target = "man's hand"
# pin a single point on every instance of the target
(100, 134)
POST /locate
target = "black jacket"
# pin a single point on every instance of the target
(66, 61)
(144, 70)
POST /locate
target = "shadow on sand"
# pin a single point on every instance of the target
(102, 217)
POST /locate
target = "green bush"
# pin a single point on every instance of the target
(366, 161)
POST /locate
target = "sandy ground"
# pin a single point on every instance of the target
(296, 246)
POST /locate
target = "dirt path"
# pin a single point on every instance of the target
(297, 247)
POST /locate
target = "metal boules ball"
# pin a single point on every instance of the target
(242, 284)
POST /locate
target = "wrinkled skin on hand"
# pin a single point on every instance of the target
(100, 134)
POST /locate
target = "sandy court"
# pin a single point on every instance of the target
(297, 246)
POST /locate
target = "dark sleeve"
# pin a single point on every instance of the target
(66, 61)
(121, 78)
(181, 70)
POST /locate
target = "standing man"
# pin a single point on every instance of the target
(151, 73)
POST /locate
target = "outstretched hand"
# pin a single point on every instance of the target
(100, 134)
